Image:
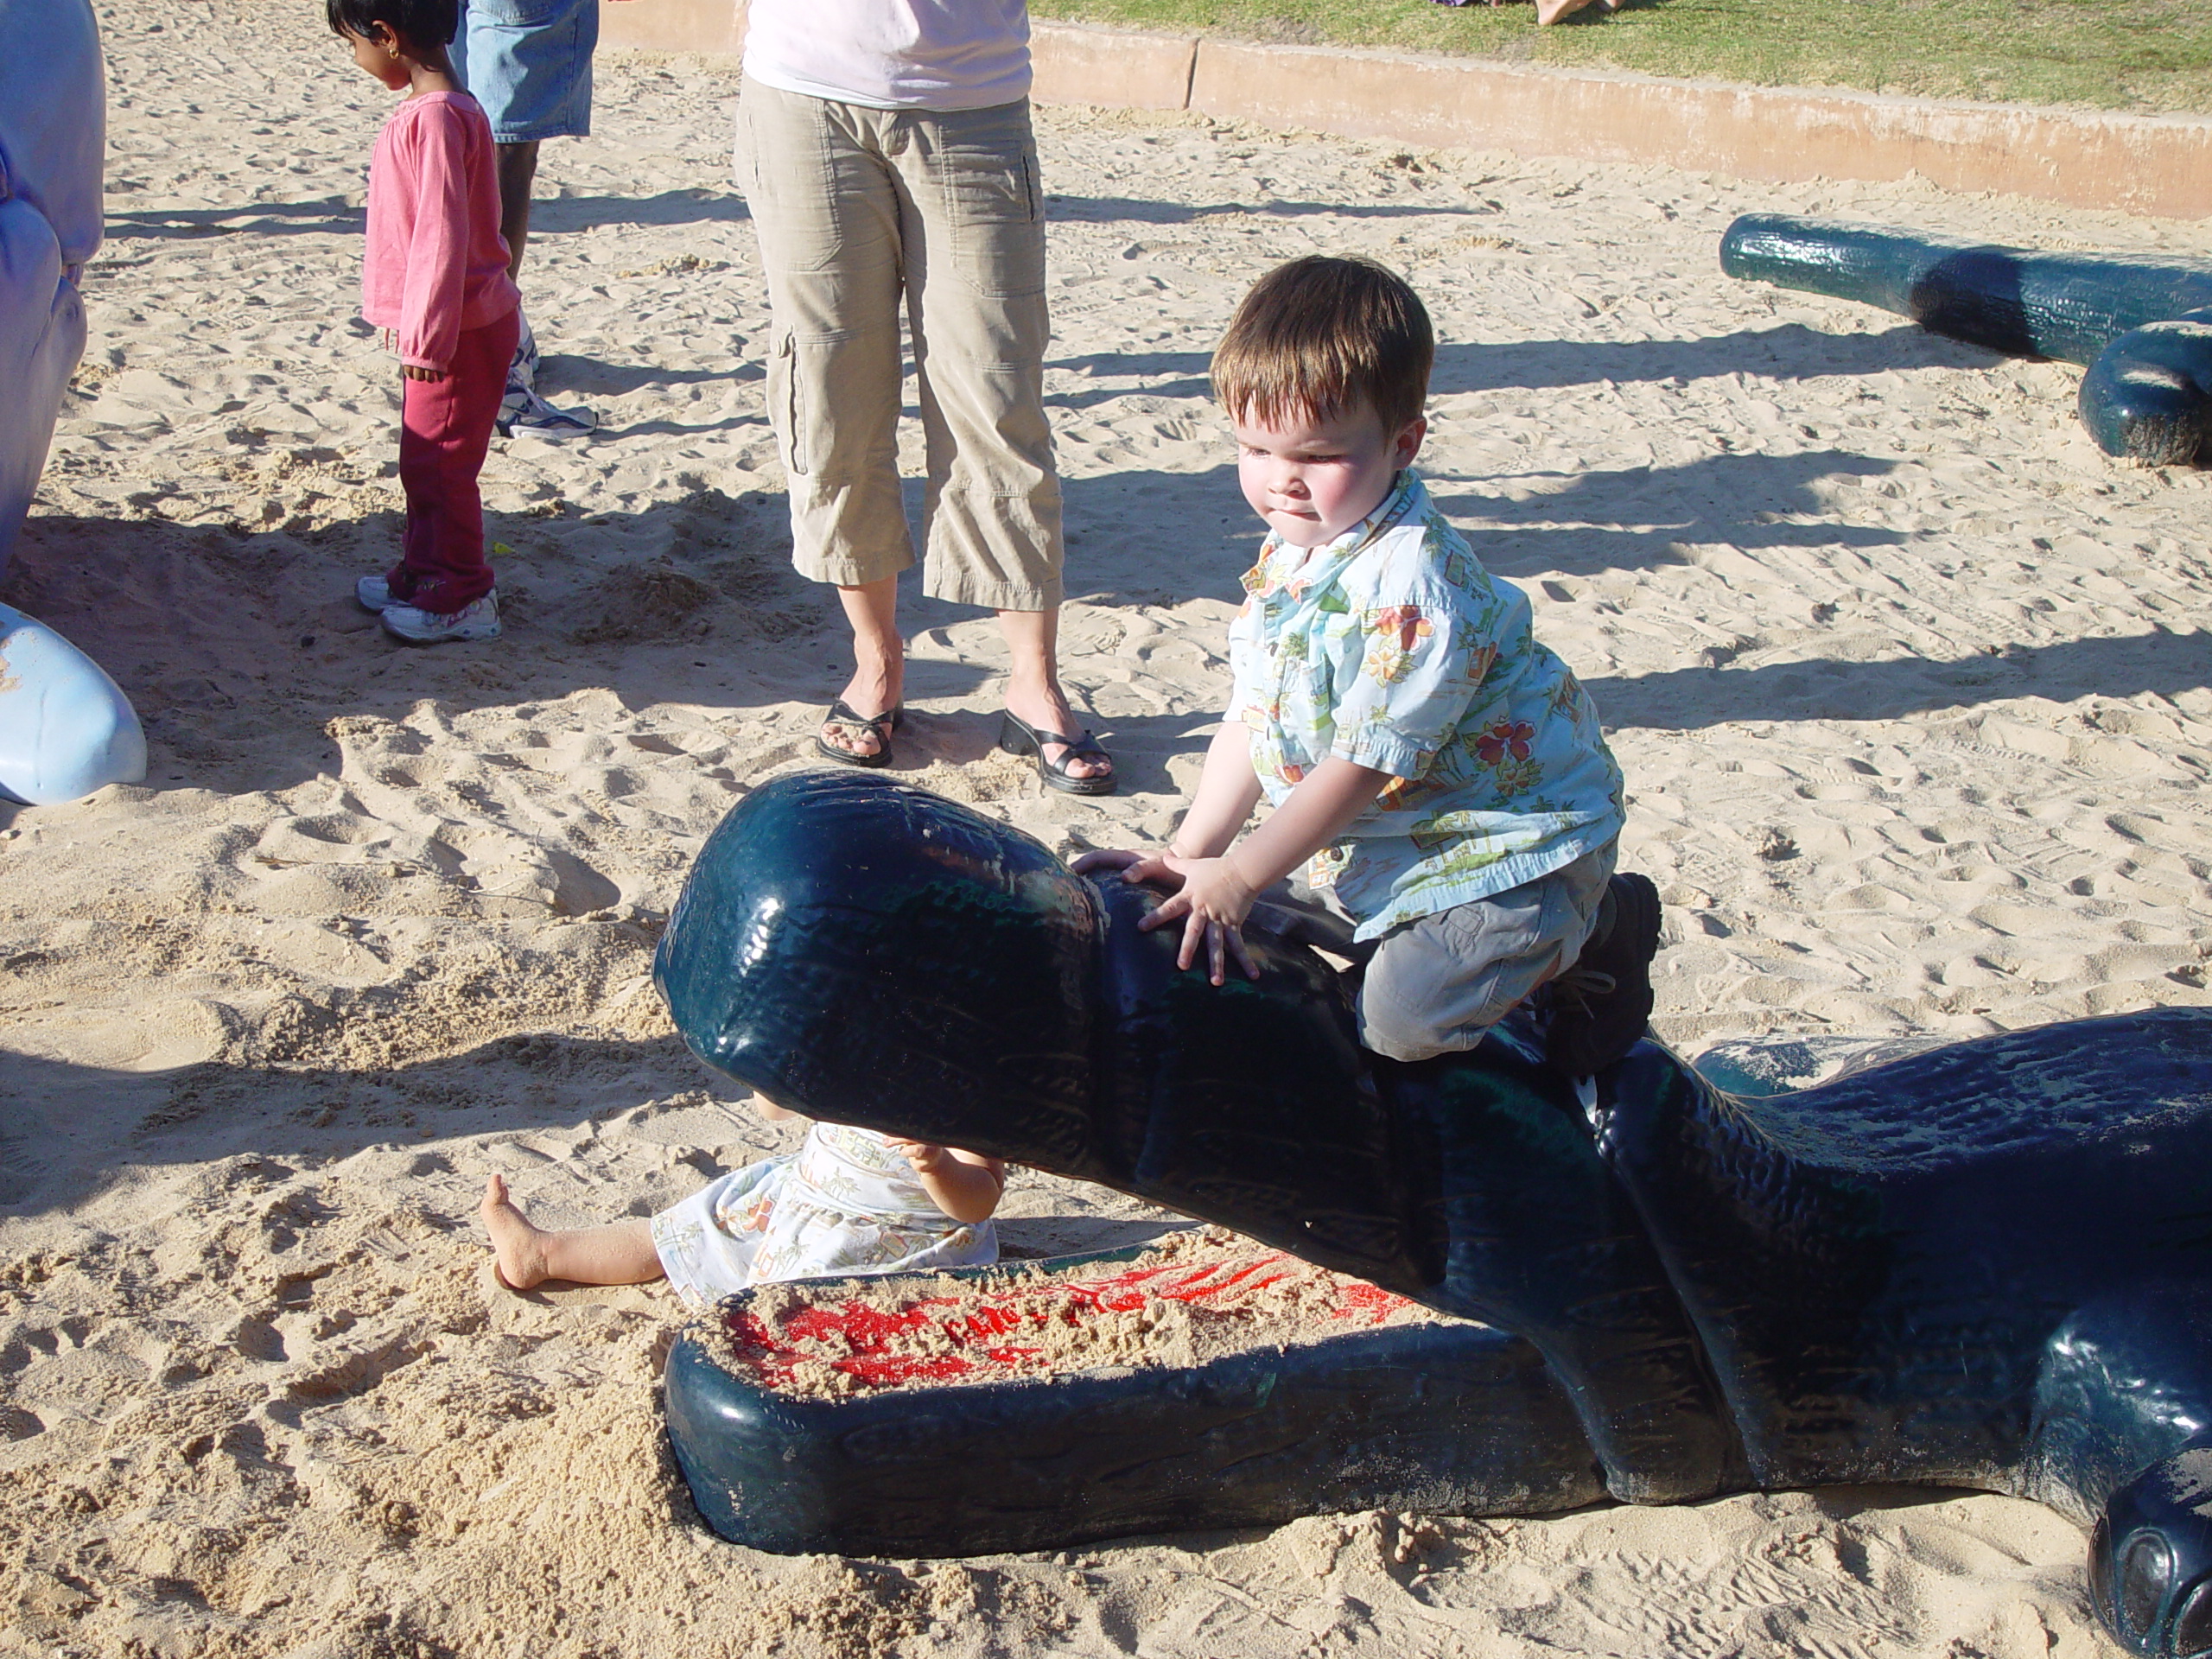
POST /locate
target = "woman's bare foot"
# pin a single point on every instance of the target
(518, 1247)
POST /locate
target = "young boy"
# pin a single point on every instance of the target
(1440, 774)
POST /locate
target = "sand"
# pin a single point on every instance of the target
(1908, 682)
(1200, 1294)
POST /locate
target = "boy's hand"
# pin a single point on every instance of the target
(1207, 890)
(1138, 870)
(1108, 859)
(1213, 901)
(415, 372)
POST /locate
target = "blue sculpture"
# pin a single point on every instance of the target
(1988, 1265)
(2143, 327)
(66, 729)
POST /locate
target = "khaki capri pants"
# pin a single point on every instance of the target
(857, 209)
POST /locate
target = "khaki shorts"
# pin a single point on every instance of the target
(858, 210)
(1434, 985)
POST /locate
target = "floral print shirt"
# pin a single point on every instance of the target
(1393, 648)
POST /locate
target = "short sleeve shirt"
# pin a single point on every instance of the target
(1392, 647)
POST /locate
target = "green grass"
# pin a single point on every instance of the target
(2142, 55)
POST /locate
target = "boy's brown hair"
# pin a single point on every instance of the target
(1320, 336)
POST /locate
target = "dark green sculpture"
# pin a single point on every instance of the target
(2142, 327)
(1988, 1265)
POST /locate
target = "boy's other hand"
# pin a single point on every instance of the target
(415, 372)
(1161, 870)
(1108, 859)
(1212, 902)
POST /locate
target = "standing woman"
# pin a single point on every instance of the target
(885, 150)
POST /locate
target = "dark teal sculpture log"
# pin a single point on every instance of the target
(2141, 326)
(1988, 1265)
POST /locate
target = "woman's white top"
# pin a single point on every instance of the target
(893, 55)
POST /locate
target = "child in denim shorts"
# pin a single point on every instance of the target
(1438, 774)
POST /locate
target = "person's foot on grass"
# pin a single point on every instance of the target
(1550, 11)
(518, 1247)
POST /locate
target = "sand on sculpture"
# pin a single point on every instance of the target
(1983, 1265)
(1206, 1382)
(2142, 327)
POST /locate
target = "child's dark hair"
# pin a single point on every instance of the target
(1318, 337)
(419, 23)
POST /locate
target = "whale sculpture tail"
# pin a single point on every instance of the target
(2147, 397)
(2143, 327)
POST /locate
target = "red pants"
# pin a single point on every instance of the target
(445, 427)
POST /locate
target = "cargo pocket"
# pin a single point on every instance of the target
(995, 209)
(787, 401)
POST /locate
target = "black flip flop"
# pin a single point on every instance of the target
(1018, 736)
(882, 725)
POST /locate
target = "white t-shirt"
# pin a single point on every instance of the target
(893, 55)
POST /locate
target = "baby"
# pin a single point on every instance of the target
(847, 1201)
(1438, 775)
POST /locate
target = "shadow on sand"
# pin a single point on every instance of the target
(71, 1129)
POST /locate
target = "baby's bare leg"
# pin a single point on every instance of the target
(621, 1254)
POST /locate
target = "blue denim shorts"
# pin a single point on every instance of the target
(528, 63)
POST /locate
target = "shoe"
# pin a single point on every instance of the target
(374, 594)
(841, 714)
(522, 373)
(1602, 1006)
(525, 414)
(1018, 736)
(478, 620)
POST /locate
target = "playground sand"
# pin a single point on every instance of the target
(1199, 1295)
(1908, 681)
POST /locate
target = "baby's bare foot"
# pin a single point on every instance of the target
(518, 1247)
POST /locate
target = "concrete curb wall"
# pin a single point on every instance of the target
(713, 29)
(2142, 164)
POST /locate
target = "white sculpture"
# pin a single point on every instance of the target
(66, 729)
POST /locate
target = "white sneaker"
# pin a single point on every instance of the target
(522, 373)
(525, 414)
(479, 619)
(374, 594)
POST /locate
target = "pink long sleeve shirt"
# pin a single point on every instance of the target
(435, 262)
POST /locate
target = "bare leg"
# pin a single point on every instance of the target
(517, 173)
(621, 1254)
(880, 658)
(1550, 11)
(1033, 689)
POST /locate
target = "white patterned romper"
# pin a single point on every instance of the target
(845, 1202)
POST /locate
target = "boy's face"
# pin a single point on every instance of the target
(1313, 479)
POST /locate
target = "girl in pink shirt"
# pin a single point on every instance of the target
(435, 278)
